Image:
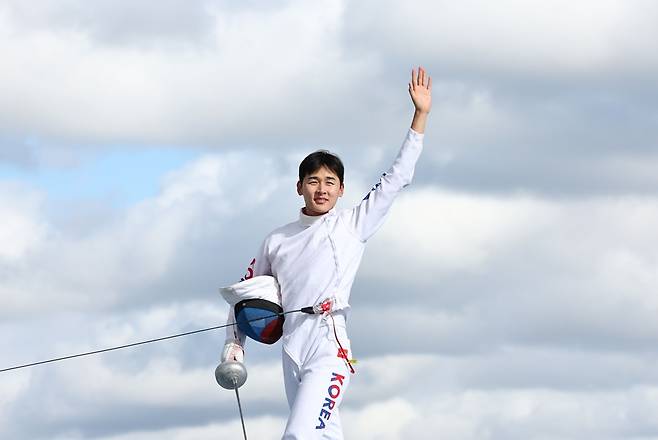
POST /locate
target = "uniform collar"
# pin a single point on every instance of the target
(309, 220)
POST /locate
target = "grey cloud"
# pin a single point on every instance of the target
(452, 403)
(579, 144)
(464, 324)
(565, 40)
(89, 395)
(561, 283)
(16, 152)
(520, 295)
(142, 23)
(497, 125)
(211, 224)
(197, 102)
(546, 125)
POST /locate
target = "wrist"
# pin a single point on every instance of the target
(419, 121)
(232, 352)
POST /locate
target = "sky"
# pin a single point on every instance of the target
(147, 147)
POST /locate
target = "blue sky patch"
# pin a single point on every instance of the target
(121, 176)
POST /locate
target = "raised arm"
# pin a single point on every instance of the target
(369, 215)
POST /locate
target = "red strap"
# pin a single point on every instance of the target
(341, 352)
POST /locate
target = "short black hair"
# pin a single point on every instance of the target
(319, 159)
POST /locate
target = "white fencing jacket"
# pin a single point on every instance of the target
(315, 258)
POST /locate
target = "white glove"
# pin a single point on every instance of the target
(233, 352)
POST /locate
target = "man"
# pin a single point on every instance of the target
(314, 260)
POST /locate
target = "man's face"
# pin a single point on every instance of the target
(321, 190)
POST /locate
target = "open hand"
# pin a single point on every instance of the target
(420, 89)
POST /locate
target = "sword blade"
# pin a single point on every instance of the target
(237, 395)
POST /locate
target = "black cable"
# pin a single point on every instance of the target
(17, 367)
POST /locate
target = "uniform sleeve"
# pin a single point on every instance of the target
(367, 217)
(260, 265)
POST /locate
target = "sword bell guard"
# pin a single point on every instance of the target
(231, 375)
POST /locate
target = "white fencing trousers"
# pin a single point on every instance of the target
(315, 389)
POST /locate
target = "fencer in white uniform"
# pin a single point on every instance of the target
(315, 260)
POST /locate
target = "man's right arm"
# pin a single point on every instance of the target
(235, 339)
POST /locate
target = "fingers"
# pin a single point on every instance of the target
(420, 78)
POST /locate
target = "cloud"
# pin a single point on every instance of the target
(132, 257)
(505, 294)
(457, 231)
(22, 229)
(514, 37)
(258, 427)
(509, 294)
(385, 420)
(518, 105)
(190, 95)
(434, 396)
(502, 293)
(162, 386)
(145, 23)
(477, 272)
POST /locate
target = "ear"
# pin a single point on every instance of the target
(299, 187)
(341, 190)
